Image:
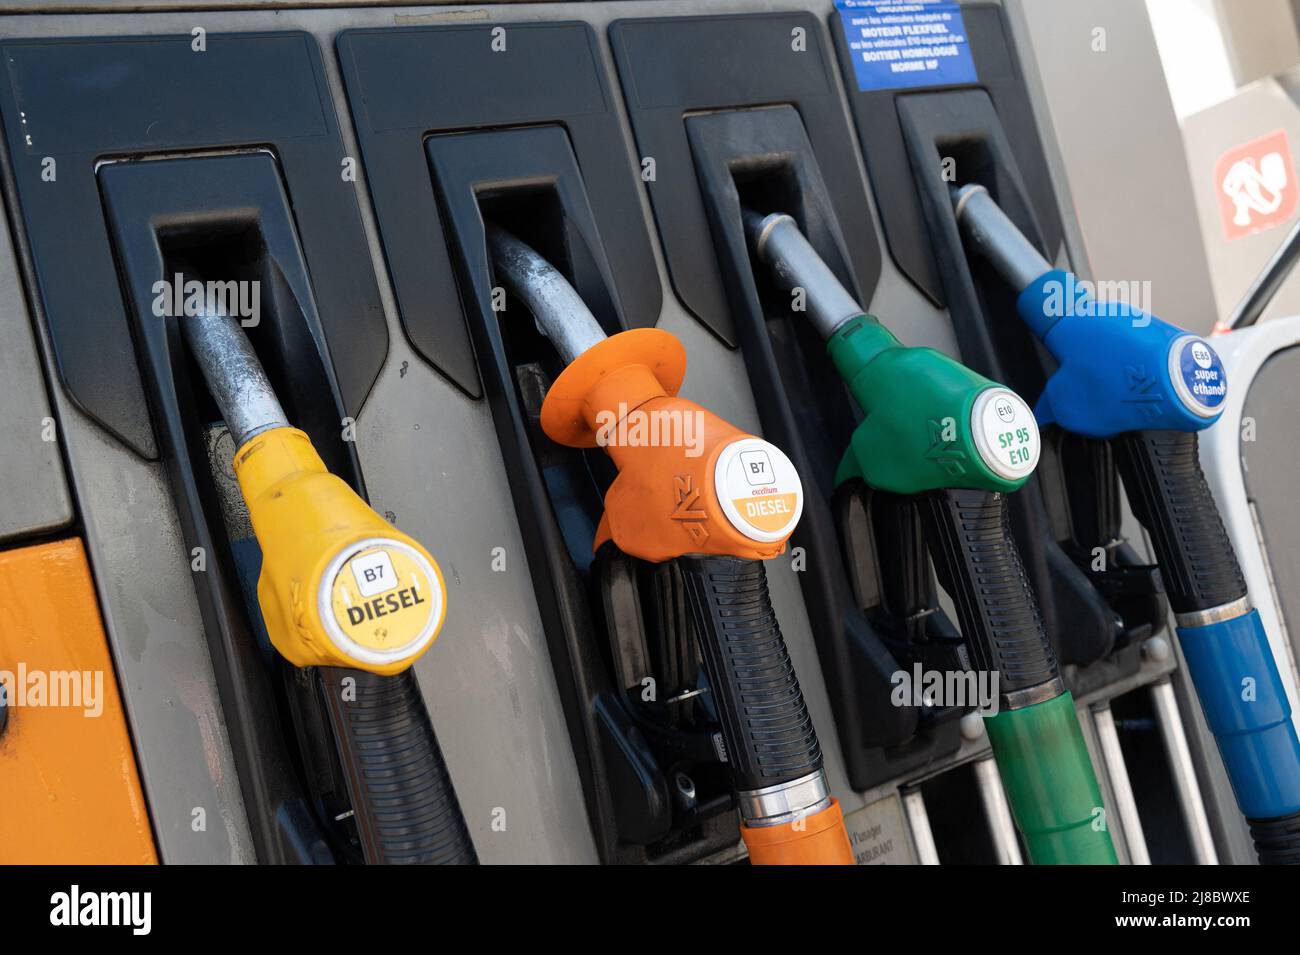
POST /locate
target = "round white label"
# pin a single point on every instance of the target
(1006, 434)
(759, 489)
(381, 601)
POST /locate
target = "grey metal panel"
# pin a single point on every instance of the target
(430, 457)
(34, 495)
(1121, 150)
(160, 655)
(431, 461)
(1260, 36)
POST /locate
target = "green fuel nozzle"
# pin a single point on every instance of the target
(957, 442)
(931, 422)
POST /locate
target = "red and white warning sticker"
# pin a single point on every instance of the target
(1255, 186)
(759, 489)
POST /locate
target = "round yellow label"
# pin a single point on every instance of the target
(385, 601)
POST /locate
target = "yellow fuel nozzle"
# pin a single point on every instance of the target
(339, 585)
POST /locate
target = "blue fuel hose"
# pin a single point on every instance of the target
(1149, 387)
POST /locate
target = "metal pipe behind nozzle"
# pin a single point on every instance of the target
(235, 377)
(1267, 282)
(991, 233)
(795, 263)
(560, 312)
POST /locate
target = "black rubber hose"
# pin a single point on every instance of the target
(1277, 841)
(404, 803)
(766, 728)
(1198, 565)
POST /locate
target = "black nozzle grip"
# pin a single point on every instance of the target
(1277, 840)
(1167, 489)
(403, 801)
(978, 565)
(765, 723)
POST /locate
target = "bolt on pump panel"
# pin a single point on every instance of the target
(721, 146)
(178, 181)
(547, 163)
(1100, 600)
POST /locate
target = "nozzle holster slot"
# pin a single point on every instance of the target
(133, 97)
(308, 787)
(672, 66)
(988, 129)
(158, 214)
(398, 81)
(1070, 505)
(898, 595)
(876, 114)
(762, 159)
(610, 621)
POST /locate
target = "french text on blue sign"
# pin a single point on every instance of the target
(899, 45)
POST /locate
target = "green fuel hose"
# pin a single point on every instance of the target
(958, 443)
(1050, 784)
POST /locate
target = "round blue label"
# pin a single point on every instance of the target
(1204, 384)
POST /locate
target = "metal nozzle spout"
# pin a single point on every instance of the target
(560, 312)
(778, 242)
(235, 377)
(993, 235)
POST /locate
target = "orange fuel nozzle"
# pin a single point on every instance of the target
(716, 501)
(688, 482)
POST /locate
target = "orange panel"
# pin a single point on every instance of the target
(69, 792)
